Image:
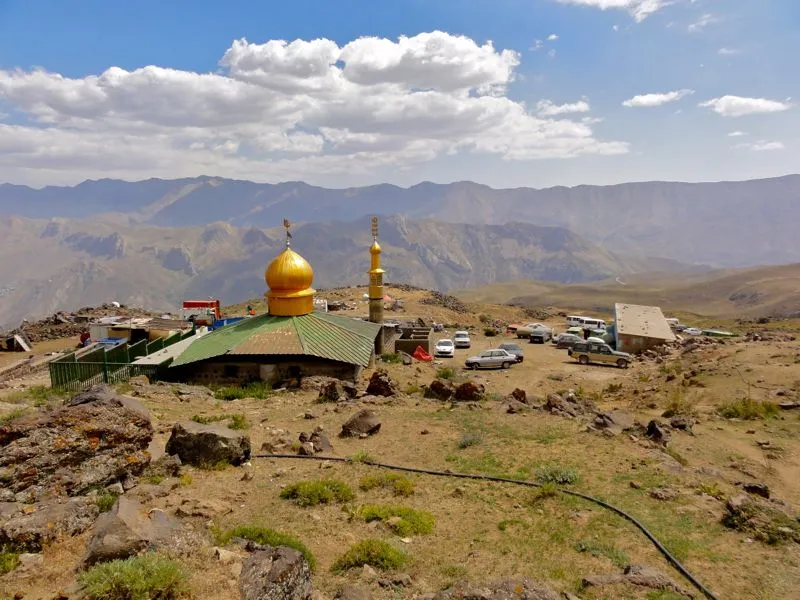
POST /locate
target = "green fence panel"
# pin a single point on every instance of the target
(137, 350)
(175, 337)
(118, 354)
(93, 356)
(187, 334)
(82, 375)
(155, 346)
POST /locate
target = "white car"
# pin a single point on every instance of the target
(444, 349)
(693, 331)
(461, 339)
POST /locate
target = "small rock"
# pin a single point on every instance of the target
(115, 489)
(368, 572)
(275, 574)
(309, 415)
(351, 592)
(663, 494)
(249, 472)
(205, 508)
(757, 489)
(635, 486)
(226, 557)
(424, 432)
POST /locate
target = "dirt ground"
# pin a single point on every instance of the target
(486, 531)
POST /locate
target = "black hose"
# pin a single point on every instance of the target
(659, 546)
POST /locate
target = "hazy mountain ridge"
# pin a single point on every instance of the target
(726, 224)
(64, 264)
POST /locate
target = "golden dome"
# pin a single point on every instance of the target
(289, 277)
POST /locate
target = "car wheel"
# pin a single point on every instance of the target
(622, 363)
(505, 365)
(584, 360)
(474, 366)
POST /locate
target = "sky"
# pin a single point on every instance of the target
(343, 93)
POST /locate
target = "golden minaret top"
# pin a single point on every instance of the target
(289, 277)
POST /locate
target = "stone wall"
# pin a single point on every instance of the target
(636, 344)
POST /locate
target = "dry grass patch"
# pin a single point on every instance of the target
(398, 484)
(8, 560)
(237, 421)
(748, 409)
(322, 491)
(375, 553)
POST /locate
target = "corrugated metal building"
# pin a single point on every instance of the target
(637, 328)
(277, 349)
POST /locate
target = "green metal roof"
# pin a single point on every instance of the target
(318, 334)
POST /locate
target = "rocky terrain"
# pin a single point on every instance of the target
(699, 442)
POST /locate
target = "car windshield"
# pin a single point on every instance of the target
(445, 343)
(510, 347)
(461, 334)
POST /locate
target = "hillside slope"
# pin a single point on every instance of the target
(62, 264)
(727, 224)
(760, 291)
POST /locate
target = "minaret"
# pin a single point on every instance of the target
(376, 285)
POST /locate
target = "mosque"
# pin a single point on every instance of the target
(291, 340)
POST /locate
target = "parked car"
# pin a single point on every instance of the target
(444, 349)
(593, 352)
(541, 335)
(491, 359)
(461, 339)
(693, 331)
(526, 330)
(567, 340)
(513, 349)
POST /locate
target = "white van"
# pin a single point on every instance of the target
(590, 323)
(574, 321)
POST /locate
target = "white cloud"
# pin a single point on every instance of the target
(551, 53)
(736, 134)
(702, 22)
(537, 45)
(547, 108)
(638, 9)
(283, 110)
(737, 106)
(552, 37)
(728, 52)
(653, 100)
(761, 146)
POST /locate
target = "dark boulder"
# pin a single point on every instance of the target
(657, 432)
(96, 439)
(363, 423)
(127, 529)
(440, 389)
(381, 384)
(36, 526)
(469, 391)
(199, 444)
(275, 574)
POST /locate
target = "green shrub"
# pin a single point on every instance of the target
(612, 388)
(400, 485)
(268, 537)
(543, 492)
(445, 373)
(105, 502)
(747, 409)
(412, 389)
(392, 358)
(257, 389)
(600, 550)
(155, 479)
(206, 419)
(489, 332)
(322, 491)
(469, 439)
(239, 421)
(556, 474)
(362, 456)
(146, 577)
(8, 560)
(401, 520)
(375, 553)
(11, 416)
(679, 404)
(185, 479)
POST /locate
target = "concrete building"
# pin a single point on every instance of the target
(637, 328)
(289, 342)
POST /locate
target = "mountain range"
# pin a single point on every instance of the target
(723, 224)
(154, 242)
